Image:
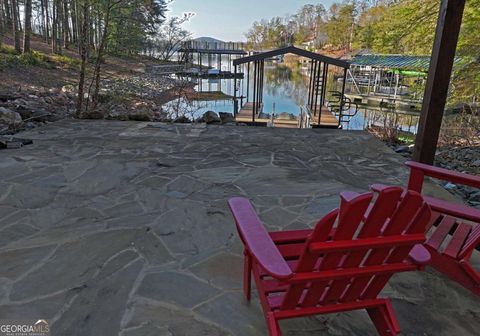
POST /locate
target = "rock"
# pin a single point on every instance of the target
(92, 115)
(476, 163)
(9, 117)
(140, 116)
(211, 117)
(404, 149)
(449, 186)
(227, 117)
(182, 120)
(69, 89)
(475, 197)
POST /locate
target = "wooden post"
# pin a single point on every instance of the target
(342, 101)
(310, 83)
(248, 82)
(436, 91)
(235, 102)
(314, 87)
(317, 87)
(254, 103)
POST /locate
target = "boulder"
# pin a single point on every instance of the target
(474, 197)
(69, 89)
(92, 115)
(9, 117)
(404, 149)
(211, 117)
(140, 115)
(182, 120)
(227, 117)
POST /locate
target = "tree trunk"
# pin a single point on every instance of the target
(19, 22)
(59, 25)
(47, 22)
(8, 15)
(42, 11)
(98, 63)
(54, 28)
(84, 47)
(74, 16)
(66, 28)
(28, 26)
(16, 32)
(2, 22)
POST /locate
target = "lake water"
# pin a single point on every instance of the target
(285, 90)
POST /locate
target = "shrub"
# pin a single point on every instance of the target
(9, 50)
(33, 58)
(66, 60)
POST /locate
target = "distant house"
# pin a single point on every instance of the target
(312, 45)
(309, 45)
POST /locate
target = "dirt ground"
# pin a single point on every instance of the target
(57, 75)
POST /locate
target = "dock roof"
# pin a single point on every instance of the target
(404, 62)
(292, 50)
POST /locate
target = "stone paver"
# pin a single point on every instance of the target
(122, 228)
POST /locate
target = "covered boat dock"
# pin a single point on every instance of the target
(314, 114)
(396, 80)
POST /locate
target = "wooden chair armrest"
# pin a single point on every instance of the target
(453, 209)
(257, 240)
(443, 174)
(419, 255)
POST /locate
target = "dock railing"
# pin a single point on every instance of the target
(199, 45)
(305, 117)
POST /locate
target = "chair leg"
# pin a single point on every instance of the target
(247, 275)
(459, 271)
(473, 276)
(384, 319)
(273, 326)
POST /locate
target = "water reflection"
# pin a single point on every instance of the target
(285, 91)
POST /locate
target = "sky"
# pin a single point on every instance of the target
(229, 20)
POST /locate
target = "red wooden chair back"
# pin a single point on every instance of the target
(358, 260)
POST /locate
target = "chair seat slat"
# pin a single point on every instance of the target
(437, 238)
(458, 239)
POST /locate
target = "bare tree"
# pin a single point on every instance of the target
(28, 26)
(172, 35)
(16, 27)
(84, 48)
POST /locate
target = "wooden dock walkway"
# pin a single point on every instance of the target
(328, 119)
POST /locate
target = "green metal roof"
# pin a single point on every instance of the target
(393, 61)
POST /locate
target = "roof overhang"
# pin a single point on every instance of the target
(295, 51)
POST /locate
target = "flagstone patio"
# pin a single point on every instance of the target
(122, 228)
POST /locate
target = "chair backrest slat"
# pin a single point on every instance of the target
(308, 260)
(398, 223)
(352, 210)
(398, 254)
(392, 214)
(383, 208)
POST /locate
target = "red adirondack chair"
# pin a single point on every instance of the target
(455, 227)
(333, 269)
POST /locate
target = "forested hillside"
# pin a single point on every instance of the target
(86, 58)
(381, 26)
